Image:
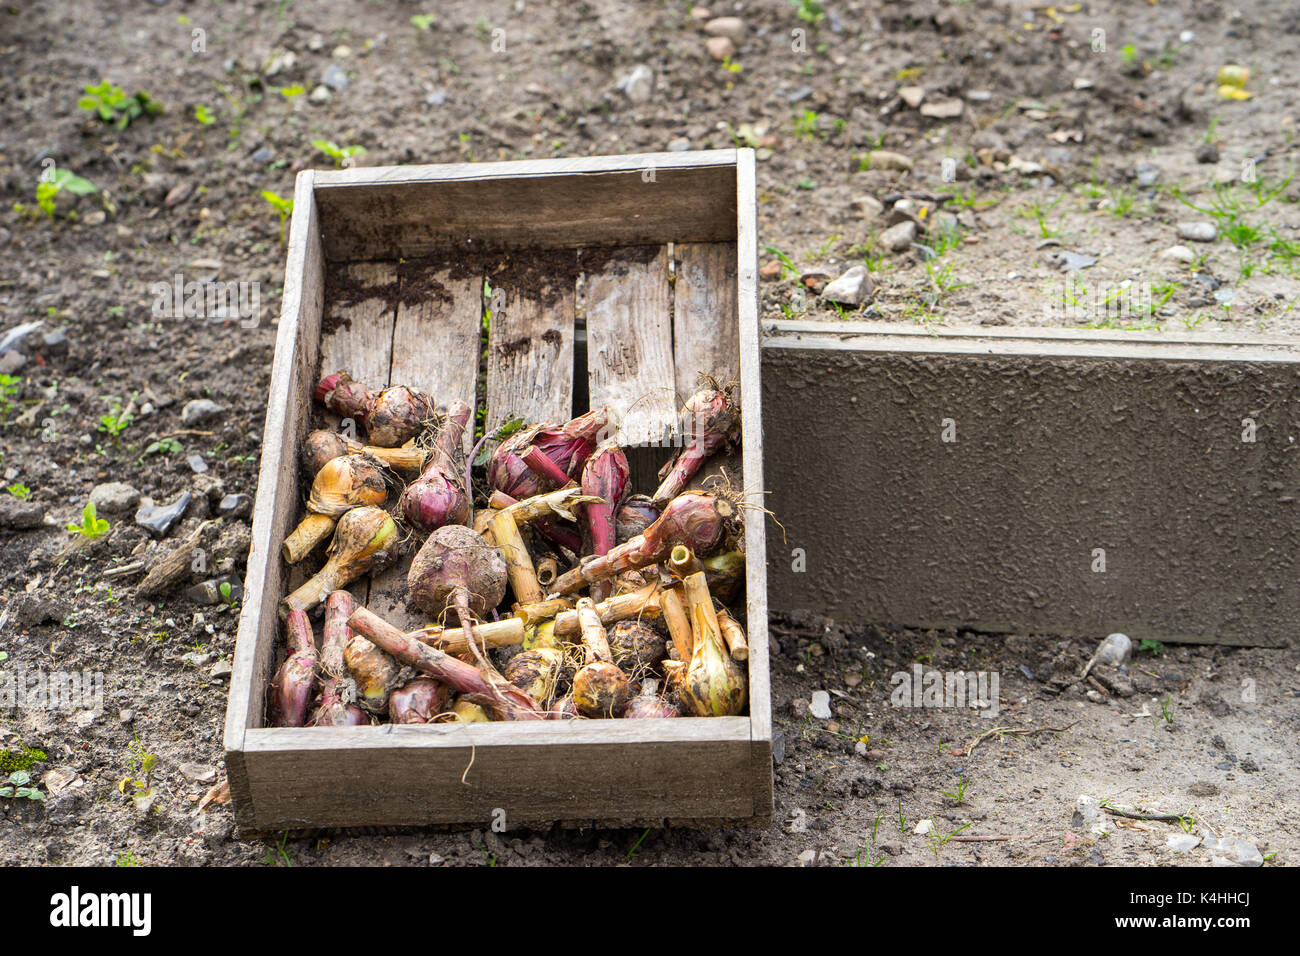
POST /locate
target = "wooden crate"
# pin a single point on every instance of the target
(641, 269)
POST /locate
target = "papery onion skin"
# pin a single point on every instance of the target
(635, 515)
(648, 705)
(567, 446)
(365, 541)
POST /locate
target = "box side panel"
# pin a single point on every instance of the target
(277, 487)
(760, 703)
(639, 206)
(380, 784)
(1071, 495)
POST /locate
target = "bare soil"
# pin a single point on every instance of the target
(1084, 143)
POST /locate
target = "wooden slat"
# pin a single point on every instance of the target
(530, 346)
(297, 342)
(629, 343)
(436, 338)
(360, 339)
(435, 346)
(705, 331)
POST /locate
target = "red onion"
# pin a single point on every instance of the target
(438, 496)
(711, 420)
(567, 446)
(292, 684)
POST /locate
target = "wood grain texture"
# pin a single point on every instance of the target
(705, 330)
(530, 349)
(414, 211)
(297, 343)
(360, 339)
(630, 343)
(436, 339)
(760, 695)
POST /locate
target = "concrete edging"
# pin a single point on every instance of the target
(1061, 442)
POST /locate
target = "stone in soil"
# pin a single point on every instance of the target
(1074, 261)
(199, 411)
(852, 288)
(820, 705)
(1179, 254)
(197, 464)
(638, 85)
(1234, 851)
(733, 28)
(911, 95)
(942, 109)
(1115, 649)
(1198, 231)
(720, 47)
(887, 159)
(114, 497)
(234, 506)
(36, 608)
(18, 515)
(335, 77)
(899, 237)
(159, 519)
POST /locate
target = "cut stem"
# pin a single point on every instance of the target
(519, 566)
(734, 635)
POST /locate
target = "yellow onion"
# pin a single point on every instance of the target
(714, 685)
(374, 671)
(636, 647)
(535, 672)
(468, 713)
(344, 483)
(364, 541)
(600, 689)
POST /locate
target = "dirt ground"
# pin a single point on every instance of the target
(1068, 141)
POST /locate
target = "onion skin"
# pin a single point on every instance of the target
(364, 541)
(467, 713)
(726, 574)
(567, 446)
(505, 701)
(322, 445)
(418, 702)
(635, 515)
(390, 417)
(564, 709)
(399, 414)
(713, 421)
(600, 689)
(605, 476)
(438, 496)
(332, 710)
(456, 564)
(292, 685)
(344, 397)
(698, 520)
(535, 672)
(648, 705)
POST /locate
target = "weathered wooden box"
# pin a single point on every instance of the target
(636, 270)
